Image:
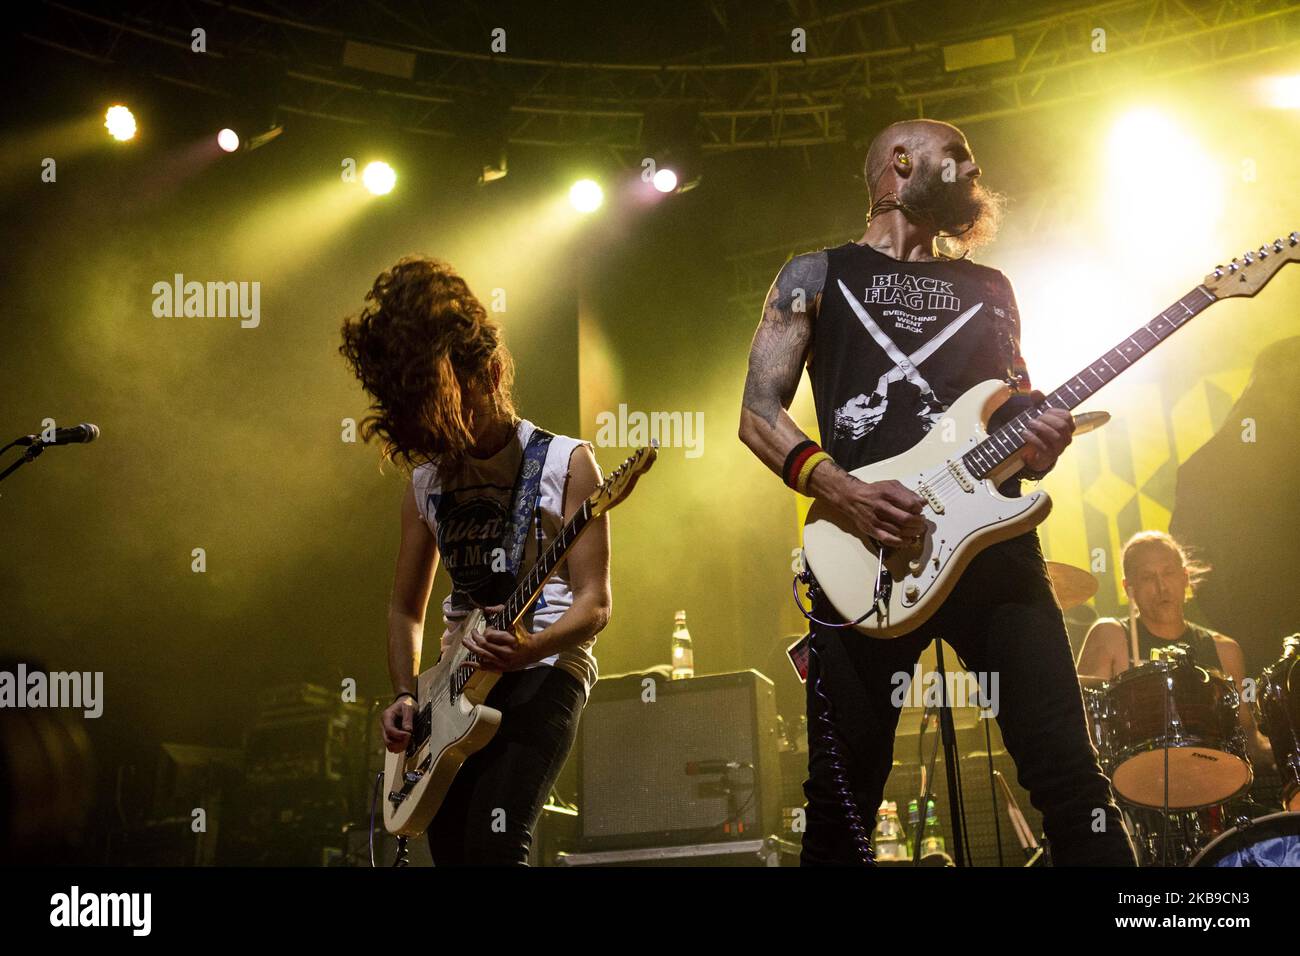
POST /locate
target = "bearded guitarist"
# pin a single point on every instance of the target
(434, 362)
(892, 332)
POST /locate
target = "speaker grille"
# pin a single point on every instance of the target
(633, 757)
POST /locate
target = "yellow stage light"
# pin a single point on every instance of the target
(1283, 92)
(1161, 183)
(586, 195)
(120, 123)
(379, 178)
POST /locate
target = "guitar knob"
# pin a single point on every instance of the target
(911, 592)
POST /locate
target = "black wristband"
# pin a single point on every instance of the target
(406, 693)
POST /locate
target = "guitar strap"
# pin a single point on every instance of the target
(523, 505)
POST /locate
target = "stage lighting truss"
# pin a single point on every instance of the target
(899, 56)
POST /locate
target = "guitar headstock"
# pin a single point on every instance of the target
(1250, 273)
(621, 480)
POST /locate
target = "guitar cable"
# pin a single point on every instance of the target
(839, 773)
(806, 577)
(374, 803)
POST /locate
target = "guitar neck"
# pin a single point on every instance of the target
(1002, 444)
(523, 596)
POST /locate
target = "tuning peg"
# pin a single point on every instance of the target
(1232, 266)
(1294, 237)
(1218, 272)
(1248, 257)
(1277, 245)
(1263, 252)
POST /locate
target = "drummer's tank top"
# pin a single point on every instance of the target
(1198, 640)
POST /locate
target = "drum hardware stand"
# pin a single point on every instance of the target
(1173, 656)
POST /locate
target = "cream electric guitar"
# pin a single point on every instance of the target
(888, 592)
(452, 721)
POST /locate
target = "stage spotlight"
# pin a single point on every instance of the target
(665, 180)
(586, 195)
(379, 178)
(1161, 180)
(120, 123)
(228, 140)
(1283, 92)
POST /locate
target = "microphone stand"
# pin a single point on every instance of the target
(949, 736)
(34, 448)
(949, 729)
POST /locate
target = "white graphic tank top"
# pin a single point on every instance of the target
(475, 507)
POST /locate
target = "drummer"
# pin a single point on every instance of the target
(1158, 576)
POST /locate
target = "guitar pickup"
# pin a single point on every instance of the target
(959, 473)
(930, 497)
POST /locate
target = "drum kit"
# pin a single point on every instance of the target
(1168, 737)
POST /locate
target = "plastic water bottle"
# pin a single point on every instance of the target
(683, 655)
(888, 836)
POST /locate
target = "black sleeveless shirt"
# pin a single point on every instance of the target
(1198, 640)
(895, 343)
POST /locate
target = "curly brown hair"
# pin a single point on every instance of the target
(421, 347)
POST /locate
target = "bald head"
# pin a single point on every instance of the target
(900, 147)
(921, 176)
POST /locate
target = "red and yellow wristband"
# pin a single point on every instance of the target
(799, 464)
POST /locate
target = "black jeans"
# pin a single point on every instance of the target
(496, 798)
(1002, 617)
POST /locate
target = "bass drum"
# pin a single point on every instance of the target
(1273, 840)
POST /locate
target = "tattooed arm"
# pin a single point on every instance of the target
(884, 510)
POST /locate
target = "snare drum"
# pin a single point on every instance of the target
(1277, 711)
(1175, 711)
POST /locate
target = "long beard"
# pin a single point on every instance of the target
(966, 212)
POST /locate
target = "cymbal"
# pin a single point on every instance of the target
(1072, 585)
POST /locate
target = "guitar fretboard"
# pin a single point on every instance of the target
(985, 457)
(523, 595)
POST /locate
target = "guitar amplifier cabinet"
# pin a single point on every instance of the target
(669, 763)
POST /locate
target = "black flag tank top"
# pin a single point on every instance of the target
(895, 343)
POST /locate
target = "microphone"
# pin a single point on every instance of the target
(77, 434)
(696, 767)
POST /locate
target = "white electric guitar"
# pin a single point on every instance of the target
(451, 719)
(887, 592)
